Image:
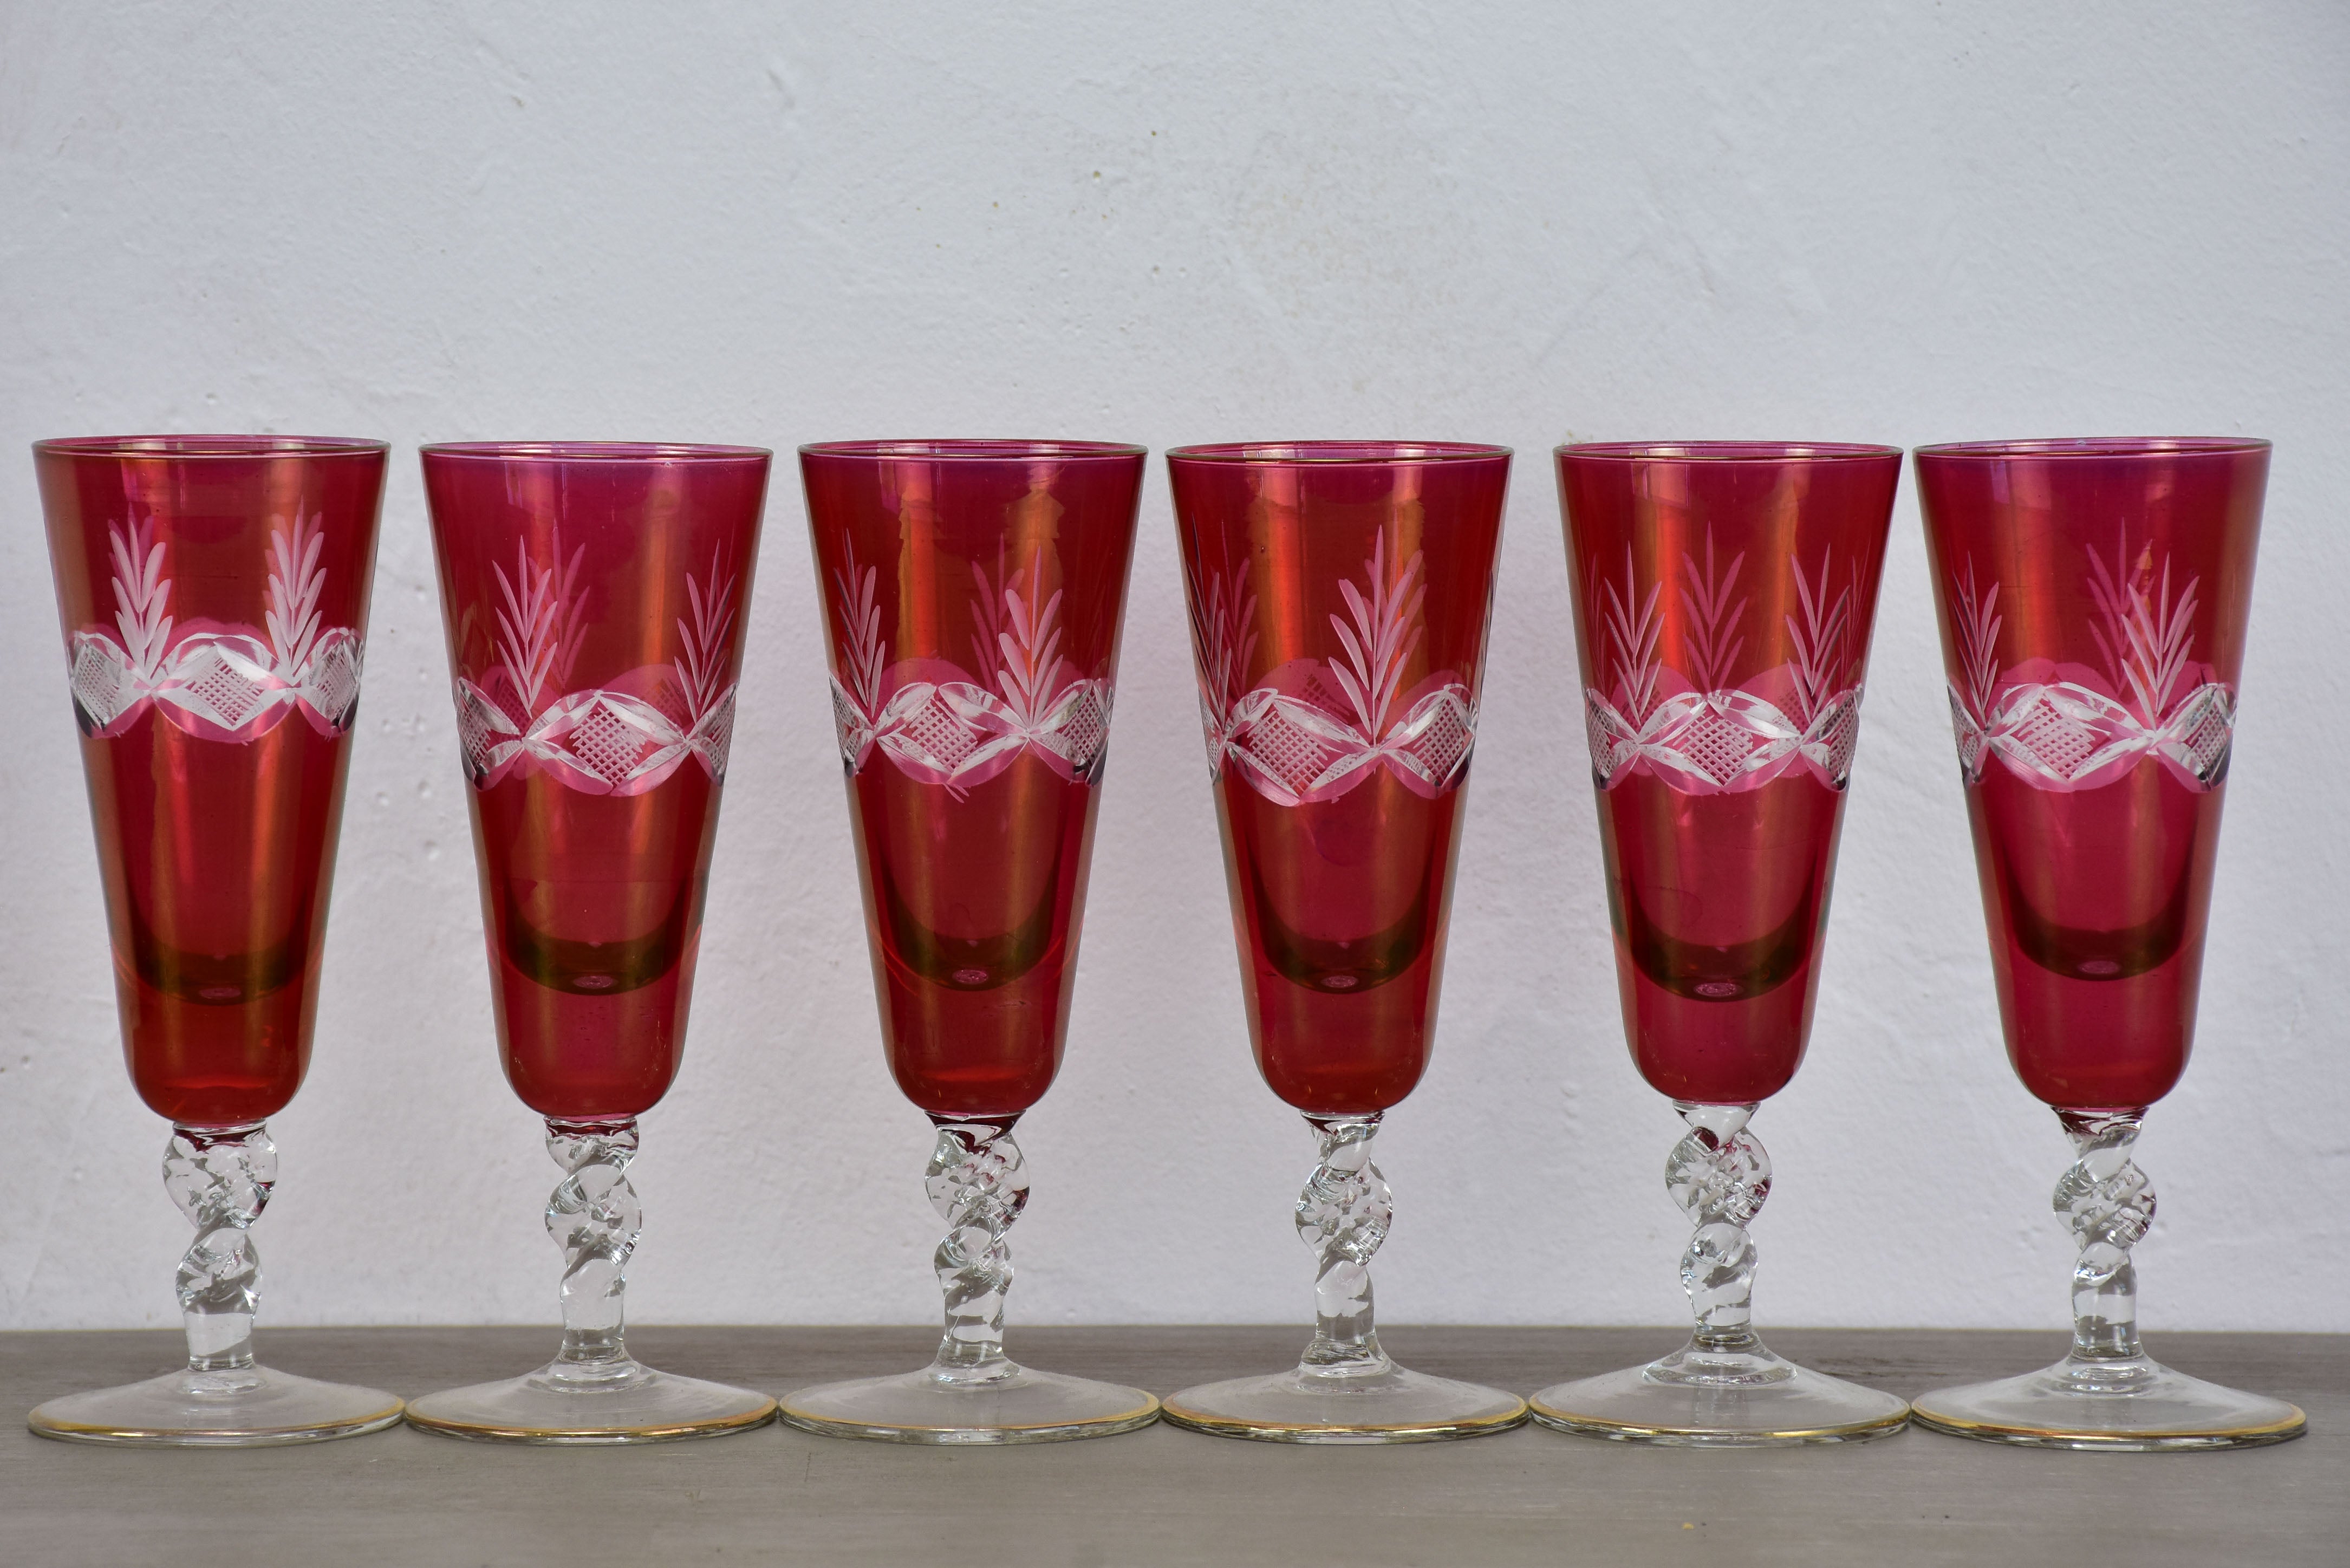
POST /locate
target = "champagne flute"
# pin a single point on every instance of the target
(595, 596)
(2094, 599)
(1340, 594)
(1724, 594)
(974, 594)
(215, 596)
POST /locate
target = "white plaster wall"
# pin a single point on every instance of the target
(748, 222)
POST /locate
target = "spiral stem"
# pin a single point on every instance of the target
(594, 1216)
(2107, 1202)
(1718, 1175)
(220, 1177)
(978, 1183)
(1343, 1214)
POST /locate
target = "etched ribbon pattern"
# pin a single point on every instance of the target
(1319, 728)
(207, 678)
(2066, 727)
(1692, 729)
(939, 724)
(623, 738)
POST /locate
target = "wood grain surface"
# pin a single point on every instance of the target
(1160, 1495)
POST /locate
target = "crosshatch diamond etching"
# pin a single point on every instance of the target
(601, 740)
(939, 724)
(2068, 727)
(215, 681)
(1322, 727)
(1691, 729)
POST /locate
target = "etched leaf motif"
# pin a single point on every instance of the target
(1822, 664)
(140, 591)
(1977, 635)
(1030, 646)
(701, 661)
(936, 724)
(296, 581)
(2144, 641)
(860, 627)
(1707, 733)
(1635, 640)
(538, 629)
(1224, 623)
(1386, 629)
(1712, 617)
(2058, 733)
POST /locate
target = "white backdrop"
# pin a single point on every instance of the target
(750, 222)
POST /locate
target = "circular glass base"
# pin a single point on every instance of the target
(250, 1407)
(632, 1404)
(1390, 1406)
(2133, 1405)
(1023, 1406)
(1700, 1398)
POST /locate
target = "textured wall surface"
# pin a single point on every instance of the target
(751, 223)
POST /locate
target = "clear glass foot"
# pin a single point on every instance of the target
(1344, 1389)
(1725, 1388)
(635, 1405)
(1024, 1406)
(1394, 1405)
(220, 1178)
(2107, 1393)
(249, 1406)
(1704, 1397)
(973, 1392)
(2136, 1404)
(593, 1391)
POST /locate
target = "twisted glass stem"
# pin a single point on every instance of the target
(1343, 1214)
(1718, 1175)
(219, 1178)
(594, 1218)
(978, 1183)
(2108, 1203)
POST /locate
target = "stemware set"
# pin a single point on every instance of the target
(2093, 597)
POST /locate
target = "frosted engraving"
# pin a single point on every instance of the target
(1693, 728)
(2067, 727)
(208, 678)
(624, 738)
(1320, 727)
(936, 722)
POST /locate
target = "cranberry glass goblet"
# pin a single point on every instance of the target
(595, 596)
(1340, 593)
(973, 593)
(1724, 593)
(215, 596)
(2094, 597)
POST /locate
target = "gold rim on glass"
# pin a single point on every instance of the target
(1718, 1437)
(214, 1437)
(1140, 1416)
(2116, 1437)
(1336, 1431)
(650, 1432)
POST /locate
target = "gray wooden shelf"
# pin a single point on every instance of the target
(1165, 1496)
